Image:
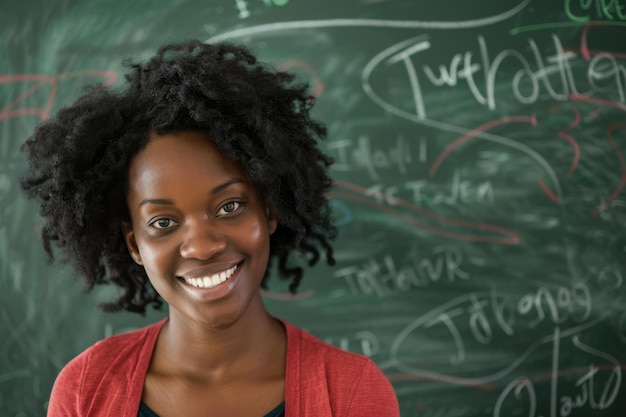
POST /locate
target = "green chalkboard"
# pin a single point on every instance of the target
(480, 177)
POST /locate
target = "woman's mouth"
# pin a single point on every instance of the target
(211, 281)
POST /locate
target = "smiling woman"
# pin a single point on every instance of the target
(182, 188)
(200, 229)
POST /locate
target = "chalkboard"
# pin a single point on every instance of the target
(479, 194)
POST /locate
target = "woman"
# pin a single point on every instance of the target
(183, 187)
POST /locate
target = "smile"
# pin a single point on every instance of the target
(211, 281)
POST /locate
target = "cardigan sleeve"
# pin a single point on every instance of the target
(374, 395)
(65, 398)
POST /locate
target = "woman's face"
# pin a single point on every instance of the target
(199, 227)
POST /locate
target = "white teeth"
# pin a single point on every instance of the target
(212, 281)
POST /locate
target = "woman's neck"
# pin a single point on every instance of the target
(246, 346)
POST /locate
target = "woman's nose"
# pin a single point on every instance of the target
(202, 241)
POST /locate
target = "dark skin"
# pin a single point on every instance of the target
(201, 378)
(201, 230)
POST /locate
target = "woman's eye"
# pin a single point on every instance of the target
(163, 223)
(228, 208)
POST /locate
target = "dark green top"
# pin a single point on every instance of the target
(145, 411)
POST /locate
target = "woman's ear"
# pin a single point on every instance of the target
(270, 213)
(131, 243)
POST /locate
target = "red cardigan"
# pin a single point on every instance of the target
(321, 380)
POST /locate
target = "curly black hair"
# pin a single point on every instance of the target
(256, 116)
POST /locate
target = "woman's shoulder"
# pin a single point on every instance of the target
(314, 352)
(112, 353)
(351, 383)
(111, 363)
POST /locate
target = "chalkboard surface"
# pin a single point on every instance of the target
(479, 172)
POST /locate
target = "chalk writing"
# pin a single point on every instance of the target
(552, 74)
(583, 10)
(373, 23)
(384, 277)
(588, 384)
(530, 120)
(269, 3)
(418, 115)
(422, 192)
(512, 310)
(242, 6)
(419, 217)
(40, 81)
(360, 154)
(588, 392)
(558, 305)
(489, 316)
(364, 342)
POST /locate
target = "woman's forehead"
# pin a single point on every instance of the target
(180, 158)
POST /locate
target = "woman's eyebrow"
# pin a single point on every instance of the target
(225, 185)
(160, 201)
(164, 201)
